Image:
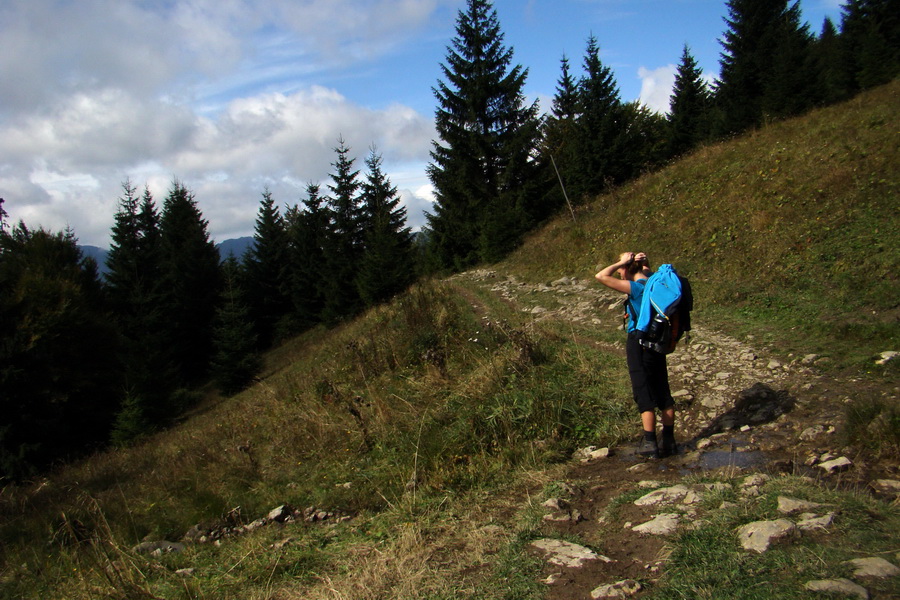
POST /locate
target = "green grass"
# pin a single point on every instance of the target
(430, 418)
(707, 562)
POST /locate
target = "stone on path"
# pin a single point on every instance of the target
(669, 495)
(758, 535)
(836, 465)
(842, 586)
(567, 554)
(664, 524)
(873, 566)
(620, 589)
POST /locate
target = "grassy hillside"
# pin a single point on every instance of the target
(790, 232)
(425, 417)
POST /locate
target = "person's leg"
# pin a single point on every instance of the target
(642, 396)
(648, 420)
(658, 385)
(668, 417)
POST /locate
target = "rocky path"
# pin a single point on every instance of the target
(744, 413)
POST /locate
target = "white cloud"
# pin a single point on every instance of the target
(65, 168)
(215, 93)
(656, 87)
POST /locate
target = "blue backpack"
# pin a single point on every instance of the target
(665, 310)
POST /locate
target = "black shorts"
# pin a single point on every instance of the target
(649, 377)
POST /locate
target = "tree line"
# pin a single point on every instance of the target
(86, 361)
(499, 168)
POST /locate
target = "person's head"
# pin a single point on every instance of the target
(632, 268)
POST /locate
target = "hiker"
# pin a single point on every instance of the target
(648, 371)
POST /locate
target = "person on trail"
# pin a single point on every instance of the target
(648, 369)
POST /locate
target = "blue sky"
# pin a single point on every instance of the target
(232, 96)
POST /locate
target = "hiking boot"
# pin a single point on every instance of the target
(668, 448)
(647, 449)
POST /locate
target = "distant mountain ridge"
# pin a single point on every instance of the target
(236, 247)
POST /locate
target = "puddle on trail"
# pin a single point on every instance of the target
(716, 459)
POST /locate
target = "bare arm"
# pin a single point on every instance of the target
(607, 275)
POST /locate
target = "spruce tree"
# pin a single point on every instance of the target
(833, 85)
(236, 360)
(307, 232)
(386, 267)
(266, 271)
(870, 40)
(190, 277)
(558, 155)
(134, 288)
(344, 241)
(482, 166)
(766, 67)
(601, 142)
(689, 113)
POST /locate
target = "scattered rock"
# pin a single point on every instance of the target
(811, 433)
(837, 465)
(669, 495)
(555, 504)
(838, 586)
(664, 524)
(157, 548)
(280, 514)
(590, 453)
(887, 486)
(649, 483)
(886, 357)
(789, 506)
(809, 522)
(873, 567)
(620, 589)
(552, 578)
(758, 535)
(566, 554)
(573, 516)
(755, 480)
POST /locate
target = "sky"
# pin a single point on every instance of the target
(233, 97)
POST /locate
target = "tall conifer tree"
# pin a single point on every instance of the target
(601, 142)
(133, 285)
(307, 232)
(190, 277)
(344, 242)
(870, 40)
(558, 153)
(386, 266)
(689, 112)
(236, 359)
(833, 85)
(482, 167)
(265, 265)
(766, 66)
